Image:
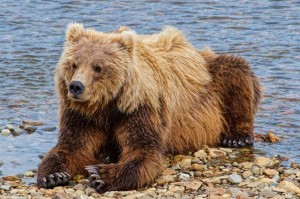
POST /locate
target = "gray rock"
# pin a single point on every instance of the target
(49, 129)
(291, 171)
(184, 177)
(5, 187)
(235, 178)
(234, 192)
(267, 193)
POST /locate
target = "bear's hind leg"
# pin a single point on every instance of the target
(234, 82)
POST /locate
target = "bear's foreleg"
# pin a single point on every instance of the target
(80, 144)
(141, 159)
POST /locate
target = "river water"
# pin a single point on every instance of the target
(266, 33)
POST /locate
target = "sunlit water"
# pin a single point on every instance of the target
(266, 33)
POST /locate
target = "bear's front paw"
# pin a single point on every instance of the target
(53, 180)
(95, 180)
(238, 141)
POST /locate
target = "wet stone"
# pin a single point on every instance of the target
(29, 174)
(5, 132)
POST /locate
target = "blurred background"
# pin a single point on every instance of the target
(266, 33)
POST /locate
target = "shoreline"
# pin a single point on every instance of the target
(208, 173)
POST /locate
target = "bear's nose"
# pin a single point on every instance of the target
(76, 88)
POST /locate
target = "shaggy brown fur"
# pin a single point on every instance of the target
(144, 95)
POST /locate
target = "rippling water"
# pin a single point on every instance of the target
(266, 33)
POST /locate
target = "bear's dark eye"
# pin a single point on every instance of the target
(73, 66)
(97, 69)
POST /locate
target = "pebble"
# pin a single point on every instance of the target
(176, 189)
(197, 167)
(215, 153)
(247, 165)
(49, 129)
(200, 154)
(295, 165)
(5, 187)
(5, 132)
(289, 186)
(78, 187)
(193, 185)
(264, 162)
(247, 174)
(291, 171)
(9, 127)
(256, 170)
(185, 163)
(267, 193)
(184, 177)
(165, 179)
(270, 172)
(29, 129)
(235, 178)
(255, 184)
(29, 174)
(208, 173)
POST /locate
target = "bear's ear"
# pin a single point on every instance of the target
(128, 41)
(74, 32)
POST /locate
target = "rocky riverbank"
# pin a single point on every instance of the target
(209, 173)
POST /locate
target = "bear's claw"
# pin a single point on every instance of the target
(54, 179)
(245, 141)
(94, 179)
(93, 169)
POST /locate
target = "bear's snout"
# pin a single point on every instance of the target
(76, 88)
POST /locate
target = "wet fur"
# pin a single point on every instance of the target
(167, 97)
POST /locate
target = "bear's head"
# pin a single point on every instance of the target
(94, 65)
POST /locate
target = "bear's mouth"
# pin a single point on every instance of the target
(76, 98)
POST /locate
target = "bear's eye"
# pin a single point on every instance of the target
(97, 69)
(73, 66)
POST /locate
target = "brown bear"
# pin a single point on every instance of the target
(133, 98)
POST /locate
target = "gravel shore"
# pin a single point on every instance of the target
(208, 173)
